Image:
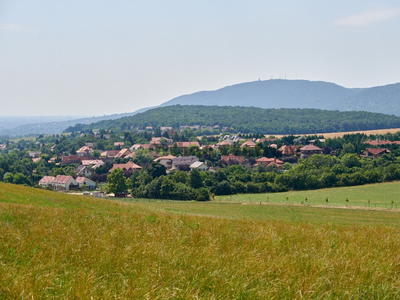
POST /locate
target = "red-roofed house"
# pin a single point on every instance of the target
(122, 153)
(71, 159)
(46, 181)
(309, 150)
(109, 153)
(288, 150)
(129, 166)
(374, 152)
(83, 181)
(84, 151)
(264, 161)
(64, 183)
(249, 144)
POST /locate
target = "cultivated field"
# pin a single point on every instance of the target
(60, 246)
(341, 134)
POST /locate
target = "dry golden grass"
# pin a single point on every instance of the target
(341, 134)
(128, 251)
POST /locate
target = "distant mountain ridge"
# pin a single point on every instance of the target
(280, 93)
(57, 127)
(276, 93)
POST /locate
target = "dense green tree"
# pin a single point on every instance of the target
(195, 180)
(116, 182)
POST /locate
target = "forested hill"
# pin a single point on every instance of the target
(299, 94)
(250, 120)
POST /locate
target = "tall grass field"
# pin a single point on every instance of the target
(54, 245)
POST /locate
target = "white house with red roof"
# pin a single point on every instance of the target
(64, 183)
(85, 182)
(309, 150)
(84, 151)
(46, 181)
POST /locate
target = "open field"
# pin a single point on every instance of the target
(379, 195)
(54, 245)
(341, 134)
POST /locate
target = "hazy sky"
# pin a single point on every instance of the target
(102, 57)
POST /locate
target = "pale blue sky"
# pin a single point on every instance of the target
(103, 57)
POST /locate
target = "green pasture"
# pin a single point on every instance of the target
(380, 195)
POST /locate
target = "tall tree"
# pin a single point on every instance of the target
(116, 182)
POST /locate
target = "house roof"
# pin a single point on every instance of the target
(224, 143)
(269, 160)
(92, 162)
(184, 160)
(81, 179)
(310, 148)
(130, 165)
(84, 149)
(47, 179)
(123, 152)
(130, 155)
(118, 143)
(80, 168)
(71, 159)
(109, 153)
(376, 151)
(168, 157)
(197, 164)
(250, 144)
(35, 160)
(62, 179)
(288, 150)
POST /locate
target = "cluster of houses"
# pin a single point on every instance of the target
(67, 183)
(87, 163)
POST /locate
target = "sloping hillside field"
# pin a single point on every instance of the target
(60, 246)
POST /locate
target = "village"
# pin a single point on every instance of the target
(88, 167)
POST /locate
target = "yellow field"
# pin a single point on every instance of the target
(340, 134)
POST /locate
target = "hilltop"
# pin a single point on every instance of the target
(299, 94)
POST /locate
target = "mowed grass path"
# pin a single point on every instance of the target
(104, 249)
(379, 195)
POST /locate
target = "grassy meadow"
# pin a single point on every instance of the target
(381, 195)
(54, 245)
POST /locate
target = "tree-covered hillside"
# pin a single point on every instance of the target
(250, 120)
